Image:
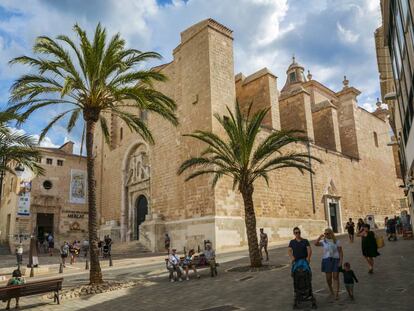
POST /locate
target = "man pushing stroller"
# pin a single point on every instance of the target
(300, 253)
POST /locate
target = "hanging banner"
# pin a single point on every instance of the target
(78, 187)
(23, 205)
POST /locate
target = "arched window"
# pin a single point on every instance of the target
(376, 139)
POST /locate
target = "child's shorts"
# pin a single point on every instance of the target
(349, 286)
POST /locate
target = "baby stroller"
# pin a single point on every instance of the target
(302, 283)
(106, 251)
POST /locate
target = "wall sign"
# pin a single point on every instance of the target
(23, 205)
(78, 187)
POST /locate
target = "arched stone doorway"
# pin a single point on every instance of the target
(141, 210)
(136, 186)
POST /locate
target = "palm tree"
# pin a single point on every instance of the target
(94, 79)
(244, 159)
(16, 149)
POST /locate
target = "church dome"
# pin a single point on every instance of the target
(295, 76)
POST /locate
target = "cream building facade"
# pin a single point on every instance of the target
(55, 202)
(140, 197)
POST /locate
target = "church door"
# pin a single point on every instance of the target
(141, 208)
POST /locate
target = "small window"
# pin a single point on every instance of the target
(375, 139)
(121, 133)
(39, 160)
(47, 184)
(49, 161)
(59, 162)
(292, 77)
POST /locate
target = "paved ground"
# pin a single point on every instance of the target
(391, 287)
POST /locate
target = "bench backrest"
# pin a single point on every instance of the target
(31, 288)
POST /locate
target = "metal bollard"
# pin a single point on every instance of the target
(61, 268)
(31, 271)
(110, 261)
(87, 265)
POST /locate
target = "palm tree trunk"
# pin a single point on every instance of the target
(250, 220)
(95, 275)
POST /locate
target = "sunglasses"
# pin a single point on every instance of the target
(296, 232)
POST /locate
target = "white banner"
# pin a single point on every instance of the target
(23, 206)
(78, 187)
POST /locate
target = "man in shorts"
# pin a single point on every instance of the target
(263, 244)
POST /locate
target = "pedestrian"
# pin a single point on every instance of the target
(369, 246)
(387, 230)
(263, 244)
(299, 248)
(64, 252)
(210, 256)
(108, 242)
(33, 252)
(349, 277)
(19, 254)
(360, 223)
(167, 242)
(15, 280)
(74, 250)
(350, 227)
(331, 259)
(392, 229)
(188, 264)
(398, 224)
(51, 244)
(174, 265)
(85, 247)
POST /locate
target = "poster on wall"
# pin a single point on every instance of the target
(78, 187)
(23, 205)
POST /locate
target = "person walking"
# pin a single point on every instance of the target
(51, 244)
(263, 244)
(331, 260)
(360, 223)
(19, 254)
(369, 246)
(167, 243)
(350, 227)
(349, 277)
(64, 252)
(299, 248)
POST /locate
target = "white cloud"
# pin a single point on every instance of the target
(46, 142)
(346, 34)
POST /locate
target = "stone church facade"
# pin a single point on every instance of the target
(140, 197)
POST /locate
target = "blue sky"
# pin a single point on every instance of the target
(331, 38)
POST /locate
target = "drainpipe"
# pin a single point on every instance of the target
(311, 178)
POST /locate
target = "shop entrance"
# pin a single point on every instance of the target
(44, 226)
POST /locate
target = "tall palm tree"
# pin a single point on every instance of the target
(16, 149)
(244, 159)
(94, 79)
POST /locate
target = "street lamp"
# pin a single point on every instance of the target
(19, 169)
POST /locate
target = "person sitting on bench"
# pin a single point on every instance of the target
(188, 264)
(210, 256)
(16, 279)
(174, 265)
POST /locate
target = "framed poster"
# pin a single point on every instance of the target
(77, 187)
(23, 205)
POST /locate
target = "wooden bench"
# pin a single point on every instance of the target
(32, 288)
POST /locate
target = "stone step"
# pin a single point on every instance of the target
(133, 246)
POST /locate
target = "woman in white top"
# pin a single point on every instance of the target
(331, 260)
